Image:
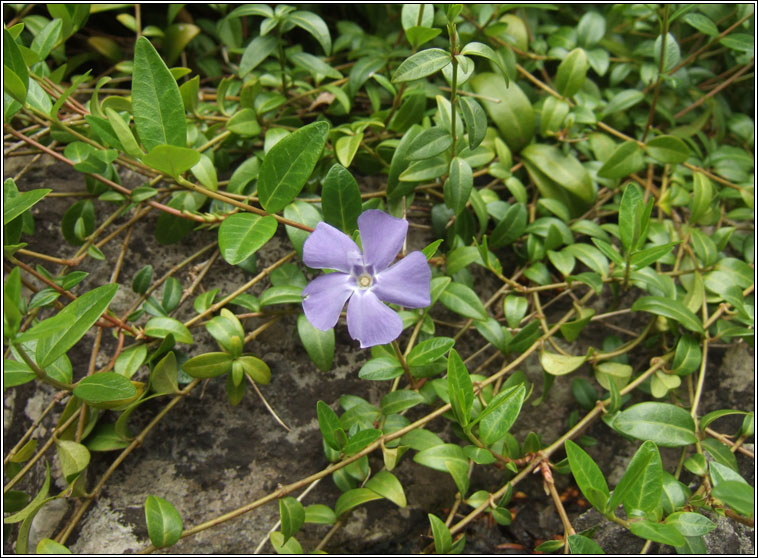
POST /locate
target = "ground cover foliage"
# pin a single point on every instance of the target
(561, 166)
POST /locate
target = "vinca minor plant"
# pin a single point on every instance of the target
(272, 272)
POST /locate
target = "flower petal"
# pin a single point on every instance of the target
(382, 236)
(406, 283)
(371, 322)
(330, 248)
(324, 297)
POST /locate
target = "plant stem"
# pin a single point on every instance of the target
(454, 84)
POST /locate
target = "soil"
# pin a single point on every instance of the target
(208, 457)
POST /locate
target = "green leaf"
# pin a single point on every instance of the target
(256, 52)
(208, 365)
(105, 438)
(665, 424)
(164, 524)
(252, 9)
(320, 514)
(514, 308)
(460, 388)
(590, 30)
(292, 546)
(78, 222)
(436, 457)
(124, 133)
(301, 212)
(354, 498)
(164, 377)
(141, 281)
(656, 532)
(554, 112)
(314, 25)
(59, 333)
(160, 327)
(511, 227)
(671, 54)
(318, 344)
(498, 417)
(14, 207)
(386, 485)
(281, 295)
(381, 368)
(559, 365)
(579, 544)
(641, 486)
(341, 199)
(739, 41)
(737, 495)
(74, 458)
(172, 294)
(329, 424)
(571, 330)
(49, 546)
(559, 176)
(571, 73)
(241, 235)
(588, 476)
(513, 115)
(256, 369)
(288, 165)
(400, 400)
(421, 64)
(622, 101)
(346, 147)
(687, 356)
(464, 301)
(16, 373)
(633, 216)
(292, 516)
(14, 62)
(156, 102)
(429, 350)
(670, 309)
(443, 540)
(33, 506)
(701, 23)
(690, 524)
(625, 159)
(171, 159)
(457, 188)
(104, 388)
(429, 143)
(360, 440)
(480, 49)
(707, 419)
(645, 257)
(668, 149)
(702, 195)
(428, 169)
(475, 119)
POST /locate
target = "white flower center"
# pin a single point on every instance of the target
(365, 280)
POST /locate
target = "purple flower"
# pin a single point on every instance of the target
(364, 279)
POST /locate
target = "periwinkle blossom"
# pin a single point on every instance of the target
(364, 280)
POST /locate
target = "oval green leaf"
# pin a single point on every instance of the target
(164, 524)
(663, 423)
(156, 101)
(288, 165)
(242, 234)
